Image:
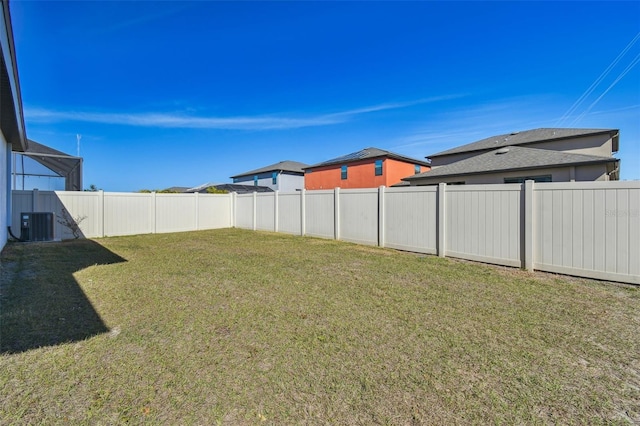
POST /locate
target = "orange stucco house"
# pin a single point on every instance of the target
(368, 168)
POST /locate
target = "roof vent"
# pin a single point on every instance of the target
(503, 150)
(514, 133)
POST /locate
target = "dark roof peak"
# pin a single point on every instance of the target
(366, 153)
(281, 166)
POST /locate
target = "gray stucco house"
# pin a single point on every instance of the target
(284, 176)
(542, 155)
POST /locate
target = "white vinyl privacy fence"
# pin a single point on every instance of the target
(101, 214)
(583, 229)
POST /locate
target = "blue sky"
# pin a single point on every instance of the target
(182, 93)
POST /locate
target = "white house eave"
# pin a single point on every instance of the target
(9, 57)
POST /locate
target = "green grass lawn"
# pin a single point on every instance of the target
(240, 327)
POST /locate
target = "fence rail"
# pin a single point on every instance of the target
(583, 229)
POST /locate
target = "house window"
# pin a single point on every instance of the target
(255, 180)
(378, 167)
(416, 169)
(343, 172)
(537, 179)
(274, 178)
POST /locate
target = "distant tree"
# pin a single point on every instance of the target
(92, 188)
(145, 191)
(214, 190)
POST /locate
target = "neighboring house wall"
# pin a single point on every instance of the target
(360, 174)
(284, 181)
(289, 182)
(599, 144)
(594, 172)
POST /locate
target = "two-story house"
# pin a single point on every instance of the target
(368, 168)
(542, 155)
(283, 176)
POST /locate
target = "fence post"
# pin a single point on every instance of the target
(255, 210)
(100, 211)
(336, 213)
(153, 213)
(441, 219)
(35, 200)
(275, 211)
(303, 212)
(232, 206)
(381, 216)
(197, 213)
(528, 188)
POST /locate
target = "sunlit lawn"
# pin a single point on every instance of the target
(240, 327)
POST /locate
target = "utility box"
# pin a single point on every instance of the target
(36, 226)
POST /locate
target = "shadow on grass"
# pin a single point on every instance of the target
(41, 303)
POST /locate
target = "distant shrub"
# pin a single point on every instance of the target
(214, 190)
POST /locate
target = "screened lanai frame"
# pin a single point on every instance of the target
(39, 162)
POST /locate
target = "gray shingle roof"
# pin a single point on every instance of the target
(524, 137)
(516, 158)
(230, 187)
(365, 154)
(284, 166)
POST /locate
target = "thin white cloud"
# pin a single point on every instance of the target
(168, 120)
(465, 125)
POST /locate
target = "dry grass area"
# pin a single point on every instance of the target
(240, 327)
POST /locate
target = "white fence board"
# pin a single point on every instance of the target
(289, 209)
(214, 211)
(410, 221)
(320, 214)
(359, 216)
(244, 211)
(589, 230)
(265, 211)
(128, 213)
(483, 223)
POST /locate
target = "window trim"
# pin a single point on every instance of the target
(378, 168)
(522, 179)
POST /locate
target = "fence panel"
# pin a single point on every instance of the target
(289, 214)
(265, 211)
(588, 229)
(127, 213)
(176, 213)
(483, 223)
(214, 211)
(410, 219)
(320, 213)
(244, 211)
(82, 208)
(359, 216)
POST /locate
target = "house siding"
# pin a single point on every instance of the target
(286, 181)
(592, 172)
